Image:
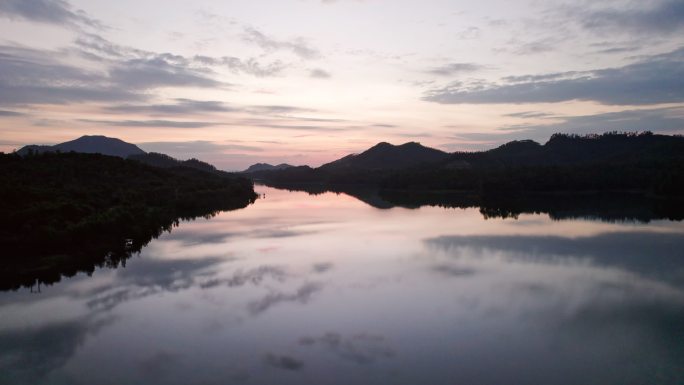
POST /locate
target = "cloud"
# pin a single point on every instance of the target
(278, 109)
(611, 47)
(46, 94)
(151, 123)
(658, 120)
(338, 1)
(35, 77)
(97, 48)
(250, 66)
(534, 47)
(308, 128)
(283, 362)
(469, 33)
(663, 120)
(454, 68)
(297, 46)
(529, 114)
(30, 76)
(10, 113)
(46, 11)
(180, 107)
(653, 80)
(655, 17)
(318, 73)
(160, 72)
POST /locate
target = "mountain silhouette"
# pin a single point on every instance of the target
(565, 150)
(612, 161)
(97, 144)
(89, 144)
(265, 166)
(385, 156)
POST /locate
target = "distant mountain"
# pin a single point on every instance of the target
(95, 144)
(363, 168)
(117, 147)
(613, 161)
(266, 167)
(385, 156)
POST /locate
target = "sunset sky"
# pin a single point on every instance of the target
(308, 81)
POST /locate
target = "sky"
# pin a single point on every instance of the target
(309, 81)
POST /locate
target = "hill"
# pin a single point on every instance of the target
(266, 167)
(645, 162)
(565, 150)
(367, 167)
(88, 144)
(642, 162)
(97, 144)
(385, 156)
(156, 159)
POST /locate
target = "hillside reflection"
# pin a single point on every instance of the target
(592, 206)
(31, 266)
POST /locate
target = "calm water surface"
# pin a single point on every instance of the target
(300, 289)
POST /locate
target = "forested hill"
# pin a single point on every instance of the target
(165, 161)
(562, 149)
(613, 161)
(385, 156)
(63, 212)
(362, 168)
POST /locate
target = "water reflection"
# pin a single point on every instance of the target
(360, 348)
(301, 289)
(31, 266)
(597, 206)
(660, 255)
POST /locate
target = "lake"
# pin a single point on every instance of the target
(327, 289)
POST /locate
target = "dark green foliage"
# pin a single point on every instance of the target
(62, 213)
